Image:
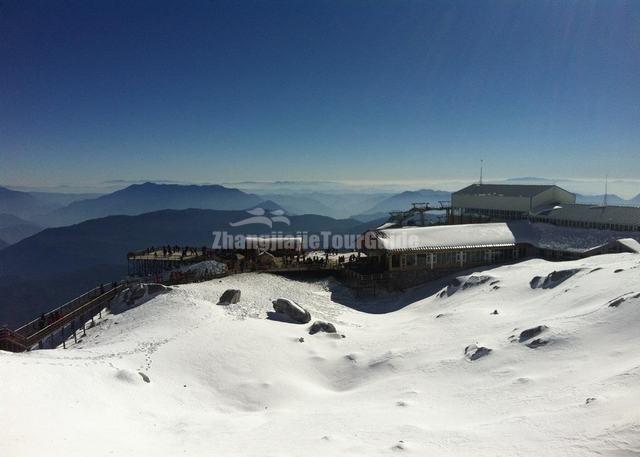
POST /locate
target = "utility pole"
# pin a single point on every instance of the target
(481, 163)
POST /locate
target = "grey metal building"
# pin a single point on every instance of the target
(621, 218)
(537, 203)
(504, 202)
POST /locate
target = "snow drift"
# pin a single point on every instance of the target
(179, 375)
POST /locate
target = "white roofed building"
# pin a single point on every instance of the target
(416, 254)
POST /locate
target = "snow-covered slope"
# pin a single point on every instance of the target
(227, 381)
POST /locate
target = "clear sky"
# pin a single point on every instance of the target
(213, 91)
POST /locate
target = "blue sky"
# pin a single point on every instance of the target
(218, 91)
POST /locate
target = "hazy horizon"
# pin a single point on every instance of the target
(623, 188)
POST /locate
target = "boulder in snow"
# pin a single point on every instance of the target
(291, 309)
(229, 297)
(474, 352)
(321, 326)
(531, 333)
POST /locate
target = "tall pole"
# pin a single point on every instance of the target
(481, 163)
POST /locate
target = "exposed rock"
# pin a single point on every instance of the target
(495, 311)
(617, 302)
(292, 310)
(463, 284)
(531, 333)
(229, 297)
(553, 279)
(619, 270)
(144, 377)
(321, 326)
(474, 352)
(537, 343)
(136, 295)
(473, 281)
(589, 400)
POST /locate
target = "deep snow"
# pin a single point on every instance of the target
(228, 381)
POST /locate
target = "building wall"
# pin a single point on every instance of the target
(447, 259)
(547, 197)
(553, 196)
(590, 224)
(491, 202)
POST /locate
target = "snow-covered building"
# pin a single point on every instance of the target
(417, 254)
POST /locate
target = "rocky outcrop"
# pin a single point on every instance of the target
(553, 279)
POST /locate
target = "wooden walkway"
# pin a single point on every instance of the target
(61, 323)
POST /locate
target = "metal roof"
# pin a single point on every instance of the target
(624, 215)
(505, 190)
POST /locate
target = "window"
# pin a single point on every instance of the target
(410, 260)
(422, 260)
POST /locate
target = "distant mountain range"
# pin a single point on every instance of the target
(573, 184)
(14, 229)
(27, 205)
(60, 199)
(612, 199)
(57, 263)
(144, 198)
(22, 204)
(403, 201)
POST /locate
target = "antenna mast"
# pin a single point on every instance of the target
(606, 189)
(481, 162)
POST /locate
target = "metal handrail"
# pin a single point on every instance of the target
(27, 328)
(51, 328)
